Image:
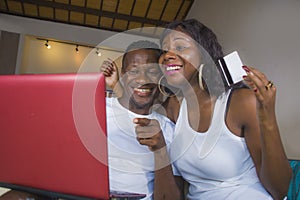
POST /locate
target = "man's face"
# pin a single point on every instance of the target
(140, 77)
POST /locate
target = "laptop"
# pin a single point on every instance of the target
(53, 136)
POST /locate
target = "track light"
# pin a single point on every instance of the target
(98, 49)
(98, 52)
(47, 45)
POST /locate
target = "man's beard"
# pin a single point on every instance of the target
(136, 105)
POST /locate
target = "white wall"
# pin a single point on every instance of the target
(266, 34)
(61, 58)
(33, 57)
(47, 29)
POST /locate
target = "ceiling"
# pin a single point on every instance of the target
(113, 15)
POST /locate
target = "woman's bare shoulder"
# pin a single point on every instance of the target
(243, 98)
(241, 109)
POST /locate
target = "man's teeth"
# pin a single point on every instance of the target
(142, 90)
(170, 68)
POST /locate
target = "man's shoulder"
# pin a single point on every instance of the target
(111, 102)
(110, 99)
(112, 107)
(159, 116)
(162, 119)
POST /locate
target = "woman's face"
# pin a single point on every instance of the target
(180, 60)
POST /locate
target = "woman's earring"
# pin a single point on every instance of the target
(200, 77)
(163, 91)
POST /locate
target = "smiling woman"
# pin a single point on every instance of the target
(227, 143)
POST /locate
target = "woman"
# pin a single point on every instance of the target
(228, 144)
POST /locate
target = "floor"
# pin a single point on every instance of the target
(3, 190)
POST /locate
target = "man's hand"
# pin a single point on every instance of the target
(110, 71)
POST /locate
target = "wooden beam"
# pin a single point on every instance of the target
(96, 12)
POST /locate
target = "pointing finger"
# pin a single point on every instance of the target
(142, 121)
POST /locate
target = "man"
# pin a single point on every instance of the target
(131, 165)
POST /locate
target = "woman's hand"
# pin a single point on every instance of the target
(264, 90)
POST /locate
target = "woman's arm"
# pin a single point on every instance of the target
(263, 137)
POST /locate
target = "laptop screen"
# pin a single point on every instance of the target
(53, 134)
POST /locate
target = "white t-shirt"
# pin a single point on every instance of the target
(217, 163)
(131, 165)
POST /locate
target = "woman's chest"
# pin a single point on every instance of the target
(227, 158)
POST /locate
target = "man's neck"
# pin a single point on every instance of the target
(140, 111)
(126, 103)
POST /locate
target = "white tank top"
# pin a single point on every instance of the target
(215, 163)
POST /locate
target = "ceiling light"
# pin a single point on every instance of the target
(98, 52)
(47, 45)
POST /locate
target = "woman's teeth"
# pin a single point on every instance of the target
(171, 68)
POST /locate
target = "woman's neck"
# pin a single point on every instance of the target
(193, 93)
(200, 107)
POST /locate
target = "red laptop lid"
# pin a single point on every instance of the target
(53, 133)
